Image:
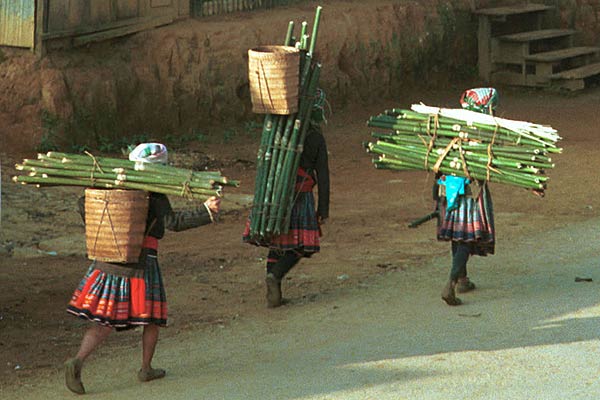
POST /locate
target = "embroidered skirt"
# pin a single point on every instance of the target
(471, 222)
(122, 297)
(303, 234)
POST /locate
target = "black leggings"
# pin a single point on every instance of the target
(279, 263)
(460, 256)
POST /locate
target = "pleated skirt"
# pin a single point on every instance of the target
(303, 234)
(471, 222)
(121, 301)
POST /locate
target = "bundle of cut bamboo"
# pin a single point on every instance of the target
(464, 143)
(54, 169)
(281, 146)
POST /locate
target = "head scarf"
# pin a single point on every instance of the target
(155, 153)
(483, 100)
(317, 114)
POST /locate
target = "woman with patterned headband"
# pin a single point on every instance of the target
(124, 296)
(466, 217)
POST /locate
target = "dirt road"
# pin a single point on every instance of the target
(529, 332)
(365, 320)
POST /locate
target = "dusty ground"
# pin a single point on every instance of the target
(213, 279)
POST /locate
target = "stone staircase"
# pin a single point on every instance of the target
(515, 48)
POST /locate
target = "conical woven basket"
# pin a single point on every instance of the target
(274, 75)
(115, 221)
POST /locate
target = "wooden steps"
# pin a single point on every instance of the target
(532, 36)
(516, 49)
(501, 13)
(562, 54)
(575, 79)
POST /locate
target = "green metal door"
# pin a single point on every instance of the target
(17, 23)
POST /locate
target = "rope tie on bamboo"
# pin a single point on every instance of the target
(433, 136)
(464, 162)
(186, 190)
(438, 163)
(95, 165)
(490, 154)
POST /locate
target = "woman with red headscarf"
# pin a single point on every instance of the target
(466, 217)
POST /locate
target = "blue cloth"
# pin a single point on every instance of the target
(455, 186)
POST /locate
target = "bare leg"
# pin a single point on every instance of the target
(92, 338)
(149, 340)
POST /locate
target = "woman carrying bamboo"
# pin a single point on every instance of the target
(124, 296)
(302, 238)
(466, 216)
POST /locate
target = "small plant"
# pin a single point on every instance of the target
(253, 128)
(79, 148)
(229, 134)
(107, 146)
(50, 124)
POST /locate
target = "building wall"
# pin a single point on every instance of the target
(17, 23)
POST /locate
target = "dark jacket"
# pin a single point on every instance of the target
(315, 162)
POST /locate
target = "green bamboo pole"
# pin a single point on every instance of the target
(267, 203)
(288, 160)
(111, 184)
(33, 171)
(456, 165)
(256, 212)
(409, 114)
(77, 161)
(403, 151)
(475, 169)
(405, 166)
(502, 155)
(90, 169)
(313, 37)
(409, 127)
(310, 100)
(459, 125)
(290, 33)
(278, 173)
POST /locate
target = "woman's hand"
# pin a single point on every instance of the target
(213, 203)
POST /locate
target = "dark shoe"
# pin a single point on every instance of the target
(73, 375)
(273, 291)
(449, 296)
(151, 374)
(464, 285)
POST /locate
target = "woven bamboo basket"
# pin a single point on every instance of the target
(115, 221)
(274, 75)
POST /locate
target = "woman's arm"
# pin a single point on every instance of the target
(181, 220)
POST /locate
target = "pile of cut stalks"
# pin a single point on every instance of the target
(65, 169)
(464, 143)
(281, 145)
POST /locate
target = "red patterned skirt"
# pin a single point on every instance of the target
(120, 296)
(471, 222)
(303, 234)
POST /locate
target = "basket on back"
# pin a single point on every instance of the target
(274, 75)
(115, 223)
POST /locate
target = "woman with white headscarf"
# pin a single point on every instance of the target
(124, 296)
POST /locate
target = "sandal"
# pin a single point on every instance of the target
(464, 285)
(73, 375)
(449, 296)
(146, 375)
(274, 298)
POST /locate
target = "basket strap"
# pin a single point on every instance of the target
(266, 85)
